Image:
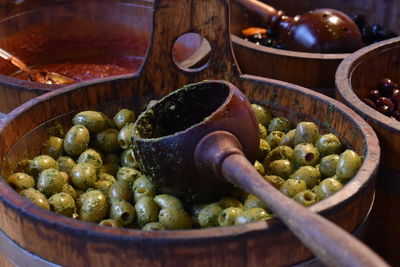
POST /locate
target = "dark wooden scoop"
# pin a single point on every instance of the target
(197, 138)
(319, 31)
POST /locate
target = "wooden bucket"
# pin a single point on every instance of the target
(64, 241)
(312, 70)
(356, 75)
(73, 31)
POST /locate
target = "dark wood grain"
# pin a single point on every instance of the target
(59, 239)
(312, 70)
(357, 75)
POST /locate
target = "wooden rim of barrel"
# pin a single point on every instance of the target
(159, 76)
(387, 129)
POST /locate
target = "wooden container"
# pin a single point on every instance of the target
(312, 70)
(73, 31)
(69, 242)
(356, 76)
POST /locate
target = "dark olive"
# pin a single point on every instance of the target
(386, 86)
(370, 103)
(385, 109)
(374, 95)
(385, 101)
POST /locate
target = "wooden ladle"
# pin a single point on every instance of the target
(319, 31)
(197, 138)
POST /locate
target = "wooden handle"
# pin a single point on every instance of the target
(171, 19)
(2, 115)
(331, 244)
(264, 11)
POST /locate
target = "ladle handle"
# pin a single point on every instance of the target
(331, 244)
(264, 11)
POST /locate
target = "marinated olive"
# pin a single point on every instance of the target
(147, 210)
(20, 181)
(288, 139)
(279, 124)
(103, 186)
(123, 211)
(263, 131)
(128, 159)
(92, 157)
(125, 136)
(259, 167)
(253, 201)
(308, 174)
(280, 167)
(94, 207)
(291, 187)
(50, 182)
(264, 149)
(328, 144)
(306, 132)
(348, 165)
(128, 174)
(83, 176)
(228, 216)
(226, 202)
(275, 180)
(94, 121)
(76, 140)
(263, 115)
(143, 187)
(36, 197)
(153, 226)
(328, 164)
(106, 177)
(327, 187)
(252, 215)
(111, 223)
(69, 189)
(208, 215)
(40, 163)
(62, 203)
(274, 138)
(53, 147)
(167, 201)
(110, 168)
(280, 152)
(120, 190)
(174, 218)
(66, 163)
(123, 117)
(305, 155)
(107, 140)
(306, 198)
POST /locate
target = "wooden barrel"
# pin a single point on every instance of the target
(68, 242)
(72, 31)
(356, 76)
(312, 70)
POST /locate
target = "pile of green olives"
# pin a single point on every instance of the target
(90, 173)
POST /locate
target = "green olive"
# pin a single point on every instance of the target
(348, 165)
(263, 115)
(280, 152)
(50, 182)
(263, 131)
(263, 150)
(92, 157)
(328, 144)
(305, 155)
(306, 198)
(252, 215)
(36, 197)
(123, 211)
(227, 202)
(253, 201)
(279, 124)
(123, 117)
(125, 136)
(291, 187)
(94, 206)
(107, 140)
(128, 159)
(308, 174)
(328, 187)
(143, 187)
(153, 226)
(288, 139)
(167, 201)
(147, 210)
(111, 158)
(110, 168)
(328, 164)
(62, 203)
(109, 122)
(280, 167)
(275, 180)
(40, 163)
(259, 167)
(65, 177)
(66, 163)
(174, 218)
(23, 165)
(94, 121)
(111, 223)
(128, 174)
(20, 181)
(274, 138)
(103, 186)
(69, 189)
(120, 190)
(306, 132)
(106, 177)
(208, 215)
(54, 147)
(83, 176)
(228, 216)
(76, 140)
